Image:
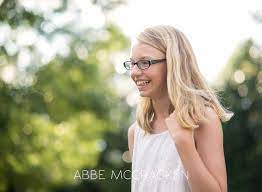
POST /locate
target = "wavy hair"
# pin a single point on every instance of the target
(187, 89)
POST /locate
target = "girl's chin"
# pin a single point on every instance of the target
(144, 94)
(150, 94)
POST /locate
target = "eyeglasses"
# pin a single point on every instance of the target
(141, 64)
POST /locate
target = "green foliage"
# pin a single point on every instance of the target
(55, 113)
(242, 134)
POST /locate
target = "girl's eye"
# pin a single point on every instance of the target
(143, 62)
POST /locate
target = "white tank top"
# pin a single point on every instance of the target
(156, 165)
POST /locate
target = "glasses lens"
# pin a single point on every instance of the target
(128, 65)
(143, 64)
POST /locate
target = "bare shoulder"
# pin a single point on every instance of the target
(212, 128)
(212, 125)
(131, 134)
(211, 115)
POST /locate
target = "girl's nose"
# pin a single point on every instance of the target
(135, 70)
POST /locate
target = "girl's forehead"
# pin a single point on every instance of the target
(142, 47)
(142, 50)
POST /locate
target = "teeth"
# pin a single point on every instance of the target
(142, 82)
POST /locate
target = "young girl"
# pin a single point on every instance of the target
(176, 143)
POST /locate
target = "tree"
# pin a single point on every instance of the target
(242, 135)
(55, 105)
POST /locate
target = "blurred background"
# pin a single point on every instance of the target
(66, 101)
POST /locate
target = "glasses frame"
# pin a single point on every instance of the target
(150, 62)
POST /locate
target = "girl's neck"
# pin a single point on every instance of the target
(162, 108)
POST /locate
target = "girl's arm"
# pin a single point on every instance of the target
(205, 165)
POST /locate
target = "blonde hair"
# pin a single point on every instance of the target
(187, 89)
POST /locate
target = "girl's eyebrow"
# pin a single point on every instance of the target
(144, 57)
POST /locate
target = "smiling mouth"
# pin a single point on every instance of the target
(142, 83)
